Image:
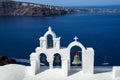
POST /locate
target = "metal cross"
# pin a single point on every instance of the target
(75, 38)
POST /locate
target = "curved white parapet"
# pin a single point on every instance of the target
(50, 32)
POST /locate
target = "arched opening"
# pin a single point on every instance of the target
(75, 59)
(43, 62)
(49, 41)
(57, 61)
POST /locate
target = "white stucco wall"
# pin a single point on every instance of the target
(116, 72)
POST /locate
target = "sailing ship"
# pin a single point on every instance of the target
(105, 63)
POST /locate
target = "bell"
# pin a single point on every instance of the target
(76, 60)
(43, 59)
(50, 43)
(57, 59)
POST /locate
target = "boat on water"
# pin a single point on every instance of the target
(105, 63)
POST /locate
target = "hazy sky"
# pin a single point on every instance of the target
(75, 2)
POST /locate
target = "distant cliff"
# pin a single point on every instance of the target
(13, 8)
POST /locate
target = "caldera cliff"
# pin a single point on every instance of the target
(13, 8)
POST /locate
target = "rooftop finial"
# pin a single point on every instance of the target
(49, 28)
(75, 38)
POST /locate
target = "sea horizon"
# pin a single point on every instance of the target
(96, 6)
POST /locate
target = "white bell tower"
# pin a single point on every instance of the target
(87, 54)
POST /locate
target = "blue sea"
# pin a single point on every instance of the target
(19, 36)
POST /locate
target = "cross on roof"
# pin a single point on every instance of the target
(75, 38)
